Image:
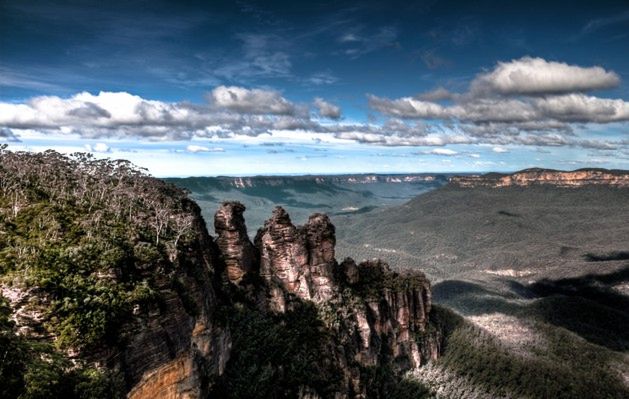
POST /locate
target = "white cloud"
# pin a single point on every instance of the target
(408, 107)
(533, 76)
(251, 101)
(500, 150)
(443, 151)
(327, 109)
(101, 147)
(575, 107)
(521, 100)
(199, 148)
(582, 108)
(237, 113)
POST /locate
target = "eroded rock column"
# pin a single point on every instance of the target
(237, 251)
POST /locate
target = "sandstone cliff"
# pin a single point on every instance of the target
(378, 317)
(528, 177)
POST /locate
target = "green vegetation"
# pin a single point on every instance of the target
(376, 276)
(277, 355)
(477, 365)
(452, 231)
(85, 235)
(35, 370)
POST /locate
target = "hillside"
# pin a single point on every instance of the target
(521, 232)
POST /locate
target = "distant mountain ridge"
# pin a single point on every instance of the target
(227, 182)
(539, 176)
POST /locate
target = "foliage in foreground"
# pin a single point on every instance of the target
(86, 237)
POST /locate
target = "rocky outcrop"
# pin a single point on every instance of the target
(320, 242)
(530, 177)
(237, 252)
(115, 278)
(297, 260)
(179, 346)
(391, 313)
(380, 316)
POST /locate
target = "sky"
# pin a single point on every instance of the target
(189, 88)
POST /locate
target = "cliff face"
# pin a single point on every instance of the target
(274, 181)
(390, 314)
(296, 261)
(175, 347)
(239, 255)
(380, 317)
(577, 178)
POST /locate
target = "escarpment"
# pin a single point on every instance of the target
(535, 176)
(109, 278)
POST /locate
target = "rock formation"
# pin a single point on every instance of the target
(528, 177)
(297, 261)
(173, 348)
(111, 286)
(379, 315)
(179, 346)
(239, 255)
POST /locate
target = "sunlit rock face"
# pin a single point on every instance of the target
(531, 177)
(383, 313)
(238, 253)
(299, 260)
(284, 257)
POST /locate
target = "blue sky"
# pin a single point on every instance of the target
(241, 88)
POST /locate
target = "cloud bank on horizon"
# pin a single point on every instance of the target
(528, 101)
(256, 108)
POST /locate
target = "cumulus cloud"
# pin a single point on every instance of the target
(437, 118)
(327, 109)
(527, 101)
(534, 76)
(251, 101)
(120, 114)
(408, 107)
(437, 94)
(500, 150)
(575, 107)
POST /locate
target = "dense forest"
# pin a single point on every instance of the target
(82, 233)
